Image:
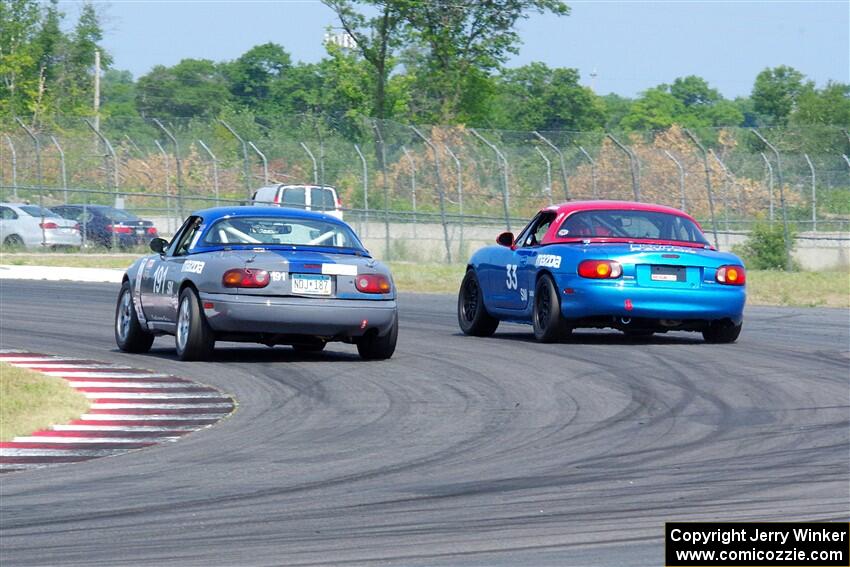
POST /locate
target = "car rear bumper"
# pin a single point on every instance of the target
(60, 238)
(297, 315)
(709, 302)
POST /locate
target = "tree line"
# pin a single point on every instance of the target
(437, 62)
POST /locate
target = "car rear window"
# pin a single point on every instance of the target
(293, 197)
(263, 230)
(36, 211)
(649, 225)
(322, 199)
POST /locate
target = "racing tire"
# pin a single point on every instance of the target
(14, 242)
(310, 347)
(193, 337)
(546, 319)
(129, 334)
(374, 347)
(722, 332)
(472, 315)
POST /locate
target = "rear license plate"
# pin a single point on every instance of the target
(668, 274)
(140, 231)
(309, 284)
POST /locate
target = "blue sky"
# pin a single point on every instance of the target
(631, 45)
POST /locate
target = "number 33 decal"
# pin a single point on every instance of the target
(511, 280)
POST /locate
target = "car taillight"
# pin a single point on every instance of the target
(48, 225)
(77, 227)
(151, 231)
(118, 229)
(243, 277)
(338, 203)
(372, 283)
(731, 275)
(600, 269)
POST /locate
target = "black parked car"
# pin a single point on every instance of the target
(100, 223)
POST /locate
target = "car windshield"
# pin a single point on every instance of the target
(268, 230)
(649, 225)
(36, 211)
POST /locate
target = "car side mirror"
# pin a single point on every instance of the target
(505, 239)
(159, 245)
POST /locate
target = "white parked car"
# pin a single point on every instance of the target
(305, 197)
(31, 226)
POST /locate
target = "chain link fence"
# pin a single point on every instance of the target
(434, 192)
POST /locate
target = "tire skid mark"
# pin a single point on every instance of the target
(130, 409)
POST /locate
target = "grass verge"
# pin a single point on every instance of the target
(798, 289)
(68, 260)
(30, 401)
(765, 287)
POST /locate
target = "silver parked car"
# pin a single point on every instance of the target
(258, 274)
(31, 226)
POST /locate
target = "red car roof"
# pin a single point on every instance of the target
(573, 206)
(570, 207)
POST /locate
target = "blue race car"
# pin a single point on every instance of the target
(635, 267)
(258, 274)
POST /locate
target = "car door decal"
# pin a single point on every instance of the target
(137, 291)
(511, 279)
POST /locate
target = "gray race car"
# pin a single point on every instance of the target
(258, 274)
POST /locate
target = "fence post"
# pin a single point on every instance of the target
(111, 153)
(265, 162)
(459, 194)
(246, 168)
(315, 165)
(633, 166)
(726, 179)
(178, 169)
(548, 189)
(365, 185)
(14, 167)
(681, 170)
(707, 185)
(135, 147)
(412, 185)
(769, 170)
(167, 182)
(563, 164)
(814, 194)
(592, 171)
(785, 232)
(506, 196)
(380, 139)
(62, 167)
(440, 192)
(38, 175)
(214, 162)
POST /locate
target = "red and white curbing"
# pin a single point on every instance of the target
(130, 409)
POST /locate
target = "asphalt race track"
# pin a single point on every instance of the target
(458, 451)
